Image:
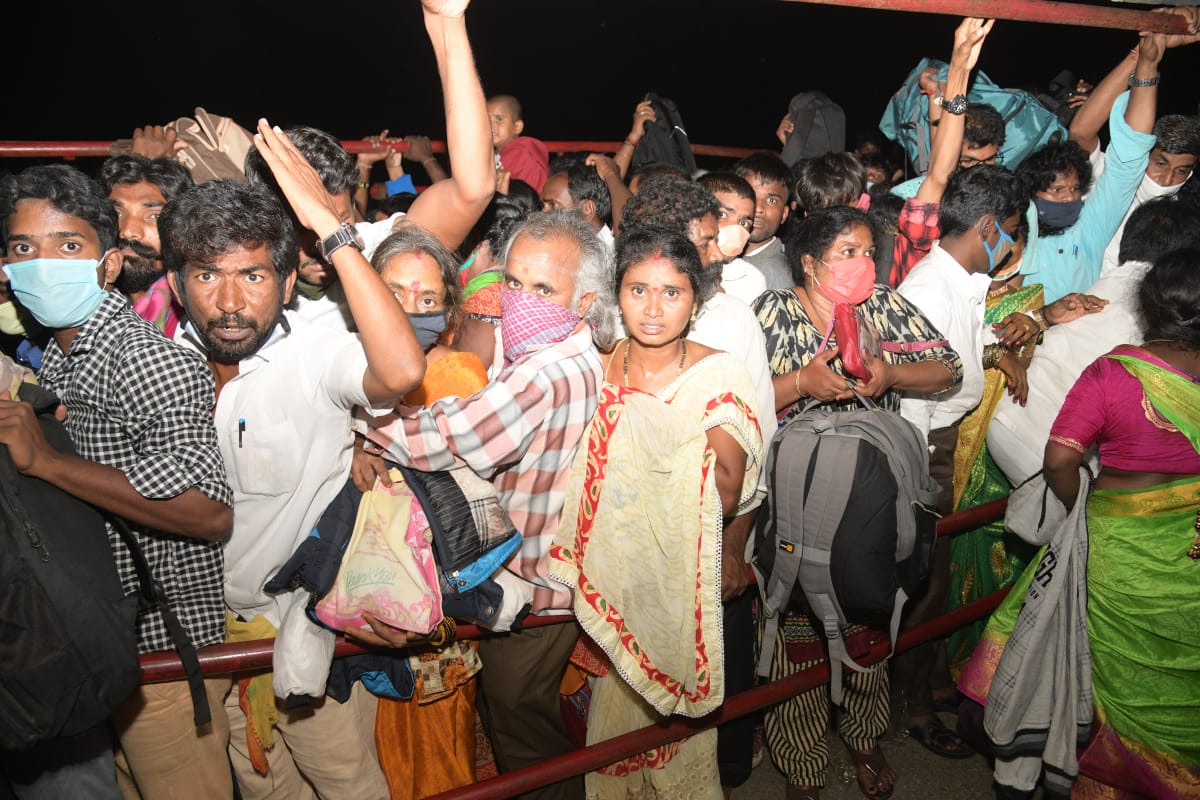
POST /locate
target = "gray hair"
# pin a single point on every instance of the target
(594, 274)
(409, 237)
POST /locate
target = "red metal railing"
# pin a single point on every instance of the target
(221, 659)
(1028, 11)
(603, 753)
(249, 656)
(99, 149)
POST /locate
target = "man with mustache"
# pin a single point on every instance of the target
(139, 187)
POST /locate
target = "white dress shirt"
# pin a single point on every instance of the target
(953, 300)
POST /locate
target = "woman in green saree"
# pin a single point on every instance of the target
(1141, 406)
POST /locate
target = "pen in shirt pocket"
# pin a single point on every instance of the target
(241, 430)
(1075, 251)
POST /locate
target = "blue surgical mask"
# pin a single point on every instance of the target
(1055, 214)
(60, 293)
(428, 327)
(1003, 246)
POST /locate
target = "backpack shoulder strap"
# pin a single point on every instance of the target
(153, 596)
(788, 469)
(832, 481)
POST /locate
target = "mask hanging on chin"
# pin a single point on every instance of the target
(1150, 189)
(60, 293)
(10, 321)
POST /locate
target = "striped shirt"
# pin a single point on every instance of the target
(520, 432)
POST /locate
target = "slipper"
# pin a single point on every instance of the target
(939, 739)
(875, 765)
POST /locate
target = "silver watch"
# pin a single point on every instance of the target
(346, 234)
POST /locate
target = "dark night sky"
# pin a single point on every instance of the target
(94, 71)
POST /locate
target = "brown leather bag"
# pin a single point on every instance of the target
(216, 146)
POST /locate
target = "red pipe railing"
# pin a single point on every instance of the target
(249, 656)
(1028, 11)
(223, 659)
(630, 744)
(100, 149)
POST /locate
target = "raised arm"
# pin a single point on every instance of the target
(1140, 64)
(448, 209)
(395, 361)
(947, 142)
(624, 156)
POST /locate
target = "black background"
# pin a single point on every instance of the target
(95, 71)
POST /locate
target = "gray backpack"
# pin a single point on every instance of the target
(847, 529)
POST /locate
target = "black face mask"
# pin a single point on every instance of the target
(1053, 214)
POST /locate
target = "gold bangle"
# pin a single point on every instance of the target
(799, 394)
(1039, 317)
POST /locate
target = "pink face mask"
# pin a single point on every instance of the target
(731, 240)
(527, 320)
(850, 281)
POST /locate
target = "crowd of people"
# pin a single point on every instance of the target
(544, 385)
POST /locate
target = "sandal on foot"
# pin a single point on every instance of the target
(939, 739)
(873, 766)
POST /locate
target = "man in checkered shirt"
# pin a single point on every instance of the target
(139, 413)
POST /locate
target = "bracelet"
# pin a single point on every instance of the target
(1026, 351)
(1141, 83)
(631, 143)
(1038, 315)
(364, 185)
(992, 355)
(799, 393)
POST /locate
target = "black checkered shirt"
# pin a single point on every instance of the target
(142, 404)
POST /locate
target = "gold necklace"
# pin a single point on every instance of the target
(625, 360)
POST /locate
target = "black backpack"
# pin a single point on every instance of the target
(847, 531)
(665, 140)
(818, 127)
(68, 631)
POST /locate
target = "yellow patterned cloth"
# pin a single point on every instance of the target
(641, 544)
(986, 558)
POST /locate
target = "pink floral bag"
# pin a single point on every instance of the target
(388, 568)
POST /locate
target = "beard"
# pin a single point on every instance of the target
(224, 351)
(138, 272)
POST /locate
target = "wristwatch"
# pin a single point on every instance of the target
(344, 235)
(954, 105)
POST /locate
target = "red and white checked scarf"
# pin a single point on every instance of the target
(527, 320)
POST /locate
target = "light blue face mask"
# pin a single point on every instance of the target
(60, 293)
(1003, 245)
